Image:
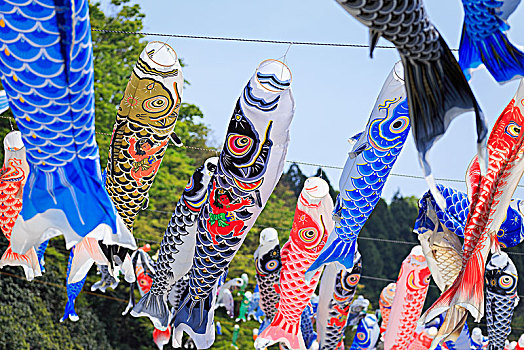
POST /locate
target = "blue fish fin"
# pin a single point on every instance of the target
(469, 54)
(353, 139)
(40, 254)
(155, 307)
(501, 58)
(337, 250)
(69, 311)
(70, 201)
(196, 319)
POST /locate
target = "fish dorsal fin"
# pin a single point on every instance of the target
(374, 35)
(353, 154)
(353, 139)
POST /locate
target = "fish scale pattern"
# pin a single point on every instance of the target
(370, 161)
(499, 309)
(385, 302)
(51, 95)
(501, 298)
(343, 292)
(411, 290)
(144, 123)
(176, 249)
(268, 264)
(510, 234)
(46, 66)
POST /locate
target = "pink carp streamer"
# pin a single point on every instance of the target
(311, 227)
(412, 287)
(12, 178)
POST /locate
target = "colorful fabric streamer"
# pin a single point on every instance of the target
(244, 307)
(177, 247)
(106, 280)
(366, 170)
(510, 234)
(4, 103)
(484, 41)
(161, 338)
(144, 269)
(268, 265)
(249, 167)
(357, 310)
(306, 327)
(225, 296)
(254, 311)
(337, 289)
(410, 294)
(437, 90)
(490, 198)
(13, 175)
(311, 226)
(423, 338)
(478, 340)
(501, 298)
(73, 290)
(442, 248)
(367, 334)
(385, 302)
(48, 76)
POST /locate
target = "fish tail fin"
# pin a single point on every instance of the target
(86, 252)
(501, 58)
(69, 311)
(196, 319)
(437, 93)
(467, 293)
(280, 331)
(28, 261)
(70, 201)
(338, 250)
(155, 307)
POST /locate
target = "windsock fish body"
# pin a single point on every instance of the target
(244, 306)
(225, 296)
(73, 290)
(385, 303)
(484, 41)
(410, 294)
(306, 326)
(268, 265)
(12, 178)
(501, 298)
(367, 334)
(311, 226)
(478, 340)
(437, 91)
(357, 310)
(423, 338)
(367, 168)
(249, 167)
(175, 294)
(177, 247)
(510, 234)
(254, 306)
(490, 198)
(144, 123)
(337, 289)
(46, 66)
(106, 280)
(442, 248)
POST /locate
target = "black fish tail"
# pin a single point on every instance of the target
(437, 93)
(155, 307)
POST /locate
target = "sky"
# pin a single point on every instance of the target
(335, 88)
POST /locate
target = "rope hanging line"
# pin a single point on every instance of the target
(248, 40)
